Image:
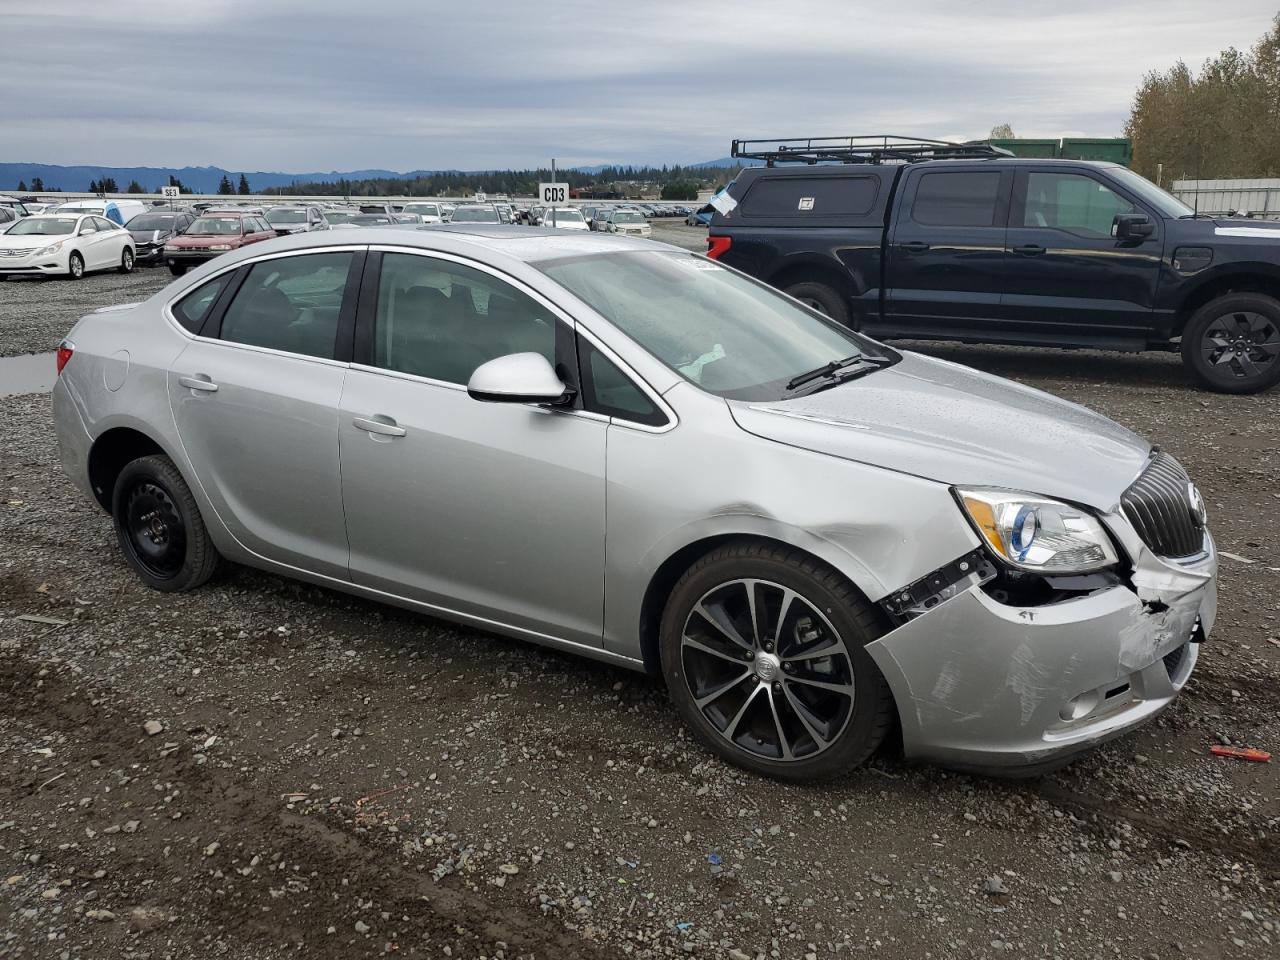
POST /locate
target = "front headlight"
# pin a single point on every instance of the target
(51, 248)
(219, 246)
(1033, 533)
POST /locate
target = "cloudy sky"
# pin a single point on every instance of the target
(306, 85)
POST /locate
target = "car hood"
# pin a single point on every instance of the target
(198, 242)
(31, 241)
(949, 423)
(150, 236)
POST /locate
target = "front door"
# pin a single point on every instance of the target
(1069, 279)
(944, 268)
(256, 406)
(492, 510)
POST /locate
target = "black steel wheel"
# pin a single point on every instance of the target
(1232, 344)
(159, 528)
(763, 650)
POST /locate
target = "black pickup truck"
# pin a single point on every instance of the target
(936, 241)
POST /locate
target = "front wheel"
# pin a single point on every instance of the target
(159, 527)
(177, 269)
(764, 653)
(1232, 344)
(822, 298)
(126, 261)
(75, 266)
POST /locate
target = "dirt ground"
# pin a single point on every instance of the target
(263, 769)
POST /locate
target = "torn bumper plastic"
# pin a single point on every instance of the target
(986, 686)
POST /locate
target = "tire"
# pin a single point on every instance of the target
(1232, 344)
(126, 261)
(177, 269)
(75, 266)
(745, 721)
(822, 298)
(159, 527)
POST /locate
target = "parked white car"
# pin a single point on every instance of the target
(429, 212)
(565, 218)
(628, 222)
(65, 245)
(117, 211)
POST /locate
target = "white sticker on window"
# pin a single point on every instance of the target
(806, 203)
(724, 203)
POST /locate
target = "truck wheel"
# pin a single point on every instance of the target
(764, 653)
(1232, 344)
(822, 298)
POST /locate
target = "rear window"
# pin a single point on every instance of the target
(810, 196)
(957, 199)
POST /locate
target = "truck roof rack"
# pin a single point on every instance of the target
(878, 148)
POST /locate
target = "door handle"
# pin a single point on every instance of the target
(1029, 250)
(384, 427)
(199, 382)
(914, 246)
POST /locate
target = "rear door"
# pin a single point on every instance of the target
(1069, 279)
(255, 398)
(944, 270)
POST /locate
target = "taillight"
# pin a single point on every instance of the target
(718, 246)
(65, 349)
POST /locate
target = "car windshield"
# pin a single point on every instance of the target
(286, 216)
(370, 219)
(430, 209)
(42, 227)
(628, 216)
(475, 215)
(79, 210)
(1165, 203)
(728, 334)
(339, 216)
(151, 221)
(568, 216)
(215, 227)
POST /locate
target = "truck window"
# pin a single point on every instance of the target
(817, 196)
(1069, 201)
(957, 199)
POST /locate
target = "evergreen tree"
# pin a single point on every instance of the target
(37, 184)
(224, 186)
(243, 189)
(22, 186)
(135, 187)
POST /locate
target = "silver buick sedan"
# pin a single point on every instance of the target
(625, 450)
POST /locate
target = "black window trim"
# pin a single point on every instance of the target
(661, 417)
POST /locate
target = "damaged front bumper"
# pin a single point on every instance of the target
(991, 687)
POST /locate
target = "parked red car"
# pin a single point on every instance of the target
(213, 234)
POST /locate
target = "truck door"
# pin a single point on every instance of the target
(1069, 279)
(944, 269)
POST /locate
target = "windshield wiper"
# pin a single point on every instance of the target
(826, 370)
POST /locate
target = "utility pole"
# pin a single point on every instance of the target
(553, 206)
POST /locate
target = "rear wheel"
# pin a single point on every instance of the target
(763, 651)
(75, 266)
(822, 298)
(159, 527)
(1232, 344)
(177, 269)
(126, 261)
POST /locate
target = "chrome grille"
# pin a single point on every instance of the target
(1158, 504)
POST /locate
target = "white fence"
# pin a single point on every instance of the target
(1259, 198)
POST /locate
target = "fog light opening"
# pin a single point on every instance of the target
(1080, 706)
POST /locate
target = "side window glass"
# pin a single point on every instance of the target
(191, 310)
(440, 319)
(957, 199)
(88, 226)
(609, 391)
(290, 304)
(1068, 201)
(105, 224)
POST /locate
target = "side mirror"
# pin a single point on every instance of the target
(517, 378)
(1132, 226)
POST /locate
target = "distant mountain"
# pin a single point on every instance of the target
(206, 179)
(199, 179)
(726, 162)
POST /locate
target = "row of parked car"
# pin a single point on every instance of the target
(106, 234)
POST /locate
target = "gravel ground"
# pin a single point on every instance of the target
(264, 769)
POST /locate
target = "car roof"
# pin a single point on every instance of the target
(528, 244)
